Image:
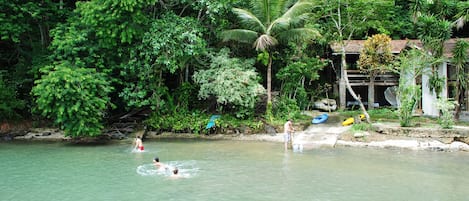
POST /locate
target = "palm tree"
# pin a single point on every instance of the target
(460, 59)
(462, 15)
(270, 22)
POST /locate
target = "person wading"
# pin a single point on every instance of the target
(287, 134)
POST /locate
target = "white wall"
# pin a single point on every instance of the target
(429, 97)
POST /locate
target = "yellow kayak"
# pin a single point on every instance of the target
(349, 121)
(362, 116)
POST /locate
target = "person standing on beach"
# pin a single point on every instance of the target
(287, 132)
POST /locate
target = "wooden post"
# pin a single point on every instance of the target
(467, 100)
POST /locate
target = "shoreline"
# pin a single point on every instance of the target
(385, 135)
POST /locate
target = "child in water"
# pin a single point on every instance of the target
(158, 164)
(139, 144)
(175, 174)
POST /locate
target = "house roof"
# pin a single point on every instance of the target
(355, 46)
(450, 44)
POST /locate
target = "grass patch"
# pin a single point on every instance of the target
(381, 113)
(384, 113)
(391, 115)
(361, 127)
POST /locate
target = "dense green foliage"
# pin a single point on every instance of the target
(196, 121)
(9, 103)
(181, 122)
(232, 81)
(460, 59)
(76, 98)
(296, 74)
(446, 107)
(375, 58)
(270, 22)
(376, 55)
(412, 64)
(77, 58)
(285, 108)
(433, 29)
(166, 48)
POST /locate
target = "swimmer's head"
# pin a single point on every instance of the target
(175, 171)
(156, 159)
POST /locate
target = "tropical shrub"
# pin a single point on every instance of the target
(296, 75)
(169, 47)
(446, 108)
(233, 81)
(75, 98)
(196, 121)
(408, 96)
(410, 67)
(375, 58)
(228, 122)
(179, 122)
(285, 108)
(460, 59)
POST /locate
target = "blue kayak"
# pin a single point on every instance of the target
(211, 122)
(320, 119)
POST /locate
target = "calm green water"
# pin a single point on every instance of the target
(227, 170)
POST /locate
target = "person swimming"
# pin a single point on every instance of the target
(175, 173)
(158, 164)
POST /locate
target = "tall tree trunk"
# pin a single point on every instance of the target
(342, 88)
(269, 79)
(186, 77)
(371, 93)
(466, 92)
(458, 96)
(349, 87)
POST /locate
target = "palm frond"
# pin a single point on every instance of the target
(462, 15)
(267, 10)
(294, 17)
(264, 42)
(249, 21)
(460, 56)
(298, 35)
(239, 35)
(299, 8)
(283, 24)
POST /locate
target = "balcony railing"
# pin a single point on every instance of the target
(357, 78)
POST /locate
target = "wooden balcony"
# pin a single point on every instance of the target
(356, 78)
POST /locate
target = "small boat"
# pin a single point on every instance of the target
(362, 116)
(326, 105)
(211, 122)
(349, 121)
(320, 119)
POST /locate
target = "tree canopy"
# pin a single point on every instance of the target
(79, 58)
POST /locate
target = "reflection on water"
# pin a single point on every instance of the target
(227, 170)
